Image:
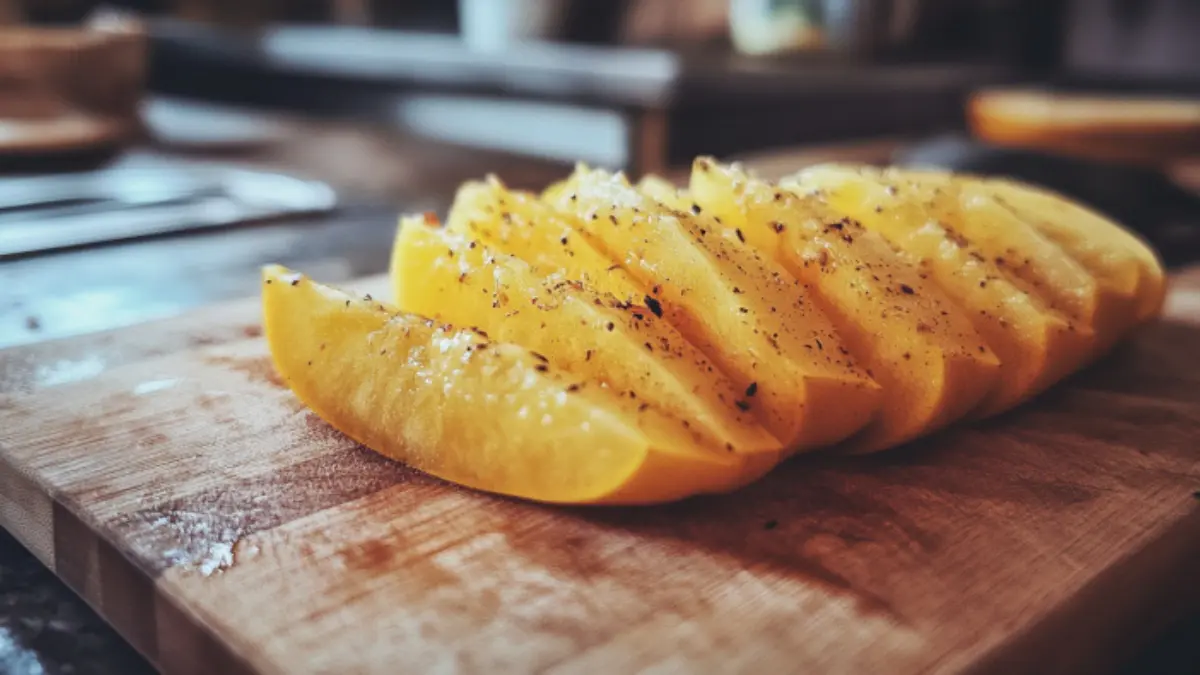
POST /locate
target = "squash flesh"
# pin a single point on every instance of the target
(1117, 257)
(625, 346)
(1036, 345)
(933, 366)
(481, 414)
(743, 311)
(518, 224)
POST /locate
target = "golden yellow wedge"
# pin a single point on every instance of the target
(483, 414)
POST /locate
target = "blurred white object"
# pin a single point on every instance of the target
(772, 26)
(495, 25)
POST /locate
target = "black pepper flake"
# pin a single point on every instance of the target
(743, 310)
(696, 209)
(820, 345)
(471, 245)
(368, 297)
(908, 290)
(563, 241)
(612, 219)
(347, 303)
(654, 306)
(588, 355)
(610, 326)
(643, 407)
(752, 389)
(737, 291)
(612, 267)
(295, 281)
(741, 237)
(742, 405)
(777, 226)
(771, 524)
(571, 388)
(648, 346)
(539, 357)
(878, 209)
(639, 316)
(268, 281)
(541, 367)
(834, 226)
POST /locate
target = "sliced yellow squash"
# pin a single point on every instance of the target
(1036, 345)
(1117, 257)
(487, 415)
(933, 365)
(624, 346)
(757, 323)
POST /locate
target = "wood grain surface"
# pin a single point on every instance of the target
(164, 473)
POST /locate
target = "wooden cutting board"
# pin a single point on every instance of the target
(164, 473)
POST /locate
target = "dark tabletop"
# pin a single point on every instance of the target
(44, 627)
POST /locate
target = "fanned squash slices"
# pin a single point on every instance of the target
(483, 414)
(757, 323)
(620, 345)
(933, 366)
(1037, 345)
(605, 343)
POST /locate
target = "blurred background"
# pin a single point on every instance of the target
(154, 153)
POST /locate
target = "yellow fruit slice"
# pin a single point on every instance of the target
(625, 346)
(933, 365)
(519, 224)
(1117, 257)
(1036, 345)
(483, 414)
(1030, 259)
(743, 311)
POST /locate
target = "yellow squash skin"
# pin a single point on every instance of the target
(518, 224)
(486, 415)
(933, 365)
(759, 325)
(1117, 257)
(445, 276)
(1037, 346)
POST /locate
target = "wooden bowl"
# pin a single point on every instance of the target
(70, 89)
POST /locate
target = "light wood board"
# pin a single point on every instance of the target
(164, 473)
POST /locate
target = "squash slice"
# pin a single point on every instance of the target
(757, 323)
(933, 365)
(1037, 346)
(518, 224)
(482, 414)
(624, 346)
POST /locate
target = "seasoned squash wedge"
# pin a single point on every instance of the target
(487, 415)
(758, 324)
(1036, 345)
(620, 345)
(518, 224)
(933, 365)
(665, 192)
